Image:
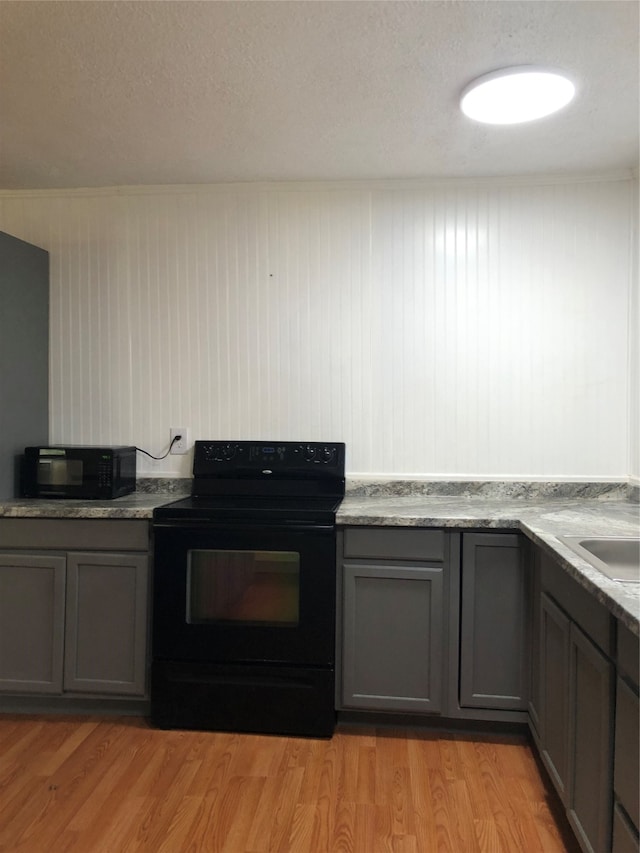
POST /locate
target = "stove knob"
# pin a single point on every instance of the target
(309, 453)
(228, 451)
(327, 454)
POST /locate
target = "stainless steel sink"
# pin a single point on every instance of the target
(616, 557)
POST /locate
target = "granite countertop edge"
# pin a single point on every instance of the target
(542, 520)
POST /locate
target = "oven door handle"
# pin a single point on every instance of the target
(207, 526)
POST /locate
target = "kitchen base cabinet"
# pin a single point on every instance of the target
(392, 619)
(422, 632)
(576, 674)
(31, 622)
(494, 654)
(73, 623)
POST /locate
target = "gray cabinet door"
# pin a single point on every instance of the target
(555, 628)
(589, 801)
(392, 637)
(535, 591)
(106, 623)
(625, 838)
(626, 765)
(494, 632)
(31, 622)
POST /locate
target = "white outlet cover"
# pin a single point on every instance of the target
(179, 447)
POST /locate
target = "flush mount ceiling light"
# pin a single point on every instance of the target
(515, 95)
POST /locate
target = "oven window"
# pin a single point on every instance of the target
(252, 587)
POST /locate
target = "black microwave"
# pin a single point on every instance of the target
(68, 471)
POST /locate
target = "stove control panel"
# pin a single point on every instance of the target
(265, 457)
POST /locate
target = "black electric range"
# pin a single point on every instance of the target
(244, 590)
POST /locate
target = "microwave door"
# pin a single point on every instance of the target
(60, 472)
(47, 472)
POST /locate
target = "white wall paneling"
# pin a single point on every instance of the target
(443, 330)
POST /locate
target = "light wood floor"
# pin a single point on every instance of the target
(115, 784)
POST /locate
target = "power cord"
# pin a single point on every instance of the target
(173, 441)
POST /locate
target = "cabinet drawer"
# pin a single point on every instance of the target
(581, 605)
(65, 534)
(394, 543)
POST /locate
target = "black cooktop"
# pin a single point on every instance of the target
(250, 508)
(290, 482)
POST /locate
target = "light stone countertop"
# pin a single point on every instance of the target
(542, 519)
(137, 505)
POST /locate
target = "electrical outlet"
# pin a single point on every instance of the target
(181, 445)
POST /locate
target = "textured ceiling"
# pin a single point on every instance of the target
(120, 93)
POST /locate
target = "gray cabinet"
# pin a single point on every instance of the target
(24, 354)
(393, 619)
(494, 636)
(535, 594)
(105, 623)
(392, 653)
(589, 738)
(31, 622)
(555, 628)
(73, 622)
(576, 702)
(422, 630)
(626, 769)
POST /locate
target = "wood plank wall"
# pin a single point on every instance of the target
(461, 329)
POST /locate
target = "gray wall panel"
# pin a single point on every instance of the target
(24, 354)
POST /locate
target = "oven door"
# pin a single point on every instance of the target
(244, 593)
